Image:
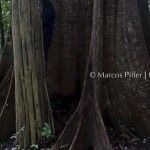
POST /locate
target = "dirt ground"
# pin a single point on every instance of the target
(63, 109)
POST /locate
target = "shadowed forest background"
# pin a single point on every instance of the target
(50, 54)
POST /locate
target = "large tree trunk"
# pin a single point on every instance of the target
(32, 102)
(85, 130)
(125, 50)
(69, 46)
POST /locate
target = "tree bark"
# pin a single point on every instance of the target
(32, 101)
(69, 47)
(126, 51)
(85, 130)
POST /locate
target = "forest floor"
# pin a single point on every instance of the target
(62, 111)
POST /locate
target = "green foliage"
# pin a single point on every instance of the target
(6, 14)
(47, 131)
(35, 146)
(1, 144)
(62, 146)
(18, 147)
